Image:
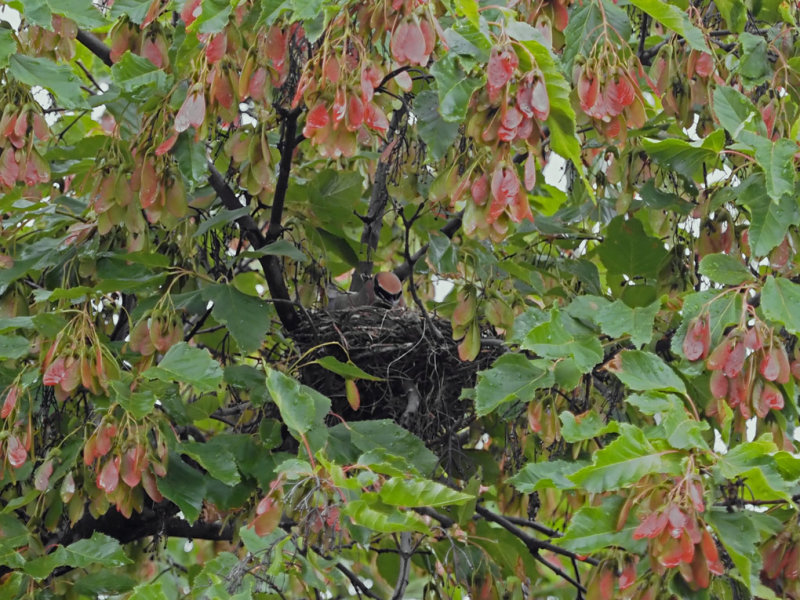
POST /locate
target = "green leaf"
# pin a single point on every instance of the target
(220, 219)
(334, 195)
(139, 404)
(279, 248)
(644, 371)
(675, 19)
(542, 475)
(132, 72)
(725, 269)
(37, 12)
(41, 567)
(301, 407)
(738, 534)
(769, 221)
(553, 339)
(250, 380)
(734, 12)
(585, 26)
(618, 318)
(85, 14)
(100, 549)
(780, 299)
(651, 403)
(383, 434)
(399, 491)
(737, 113)
(57, 78)
(104, 583)
(246, 317)
(628, 250)
(442, 252)
(191, 158)
(213, 18)
(214, 458)
(576, 428)
(373, 515)
(154, 590)
(438, 134)
(593, 528)
(685, 158)
(512, 377)
(777, 160)
(8, 46)
(135, 9)
(624, 462)
(184, 486)
(348, 370)
(754, 65)
(469, 9)
(683, 431)
(13, 346)
(185, 364)
(455, 87)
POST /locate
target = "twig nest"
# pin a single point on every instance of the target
(421, 375)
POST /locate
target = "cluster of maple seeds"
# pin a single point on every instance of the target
(57, 43)
(667, 82)
(122, 462)
(781, 560)
(18, 441)
(678, 538)
(610, 95)
(156, 331)
(22, 121)
(746, 372)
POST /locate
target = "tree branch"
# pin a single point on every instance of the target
(95, 46)
(449, 229)
(270, 264)
(373, 220)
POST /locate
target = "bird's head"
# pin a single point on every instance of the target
(388, 289)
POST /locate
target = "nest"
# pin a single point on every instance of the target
(421, 373)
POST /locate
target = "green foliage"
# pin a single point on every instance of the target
(592, 389)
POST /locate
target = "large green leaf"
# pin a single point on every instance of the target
(553, 339)
(132, 72)
(776, 159)
(184, 485)
(685, 158)
(100, 549)
(738, 534)
(542, 475)
(399, 491)
(737, 113)
(8, 47)
(185, 364)
(301, 407)
(437, 133)
(624, 462)
(675, 19)
(215, 458)
(246, 317)
(643, 371)
(576, 428)
(593, 528)
(618, 318)
(780, 300)
(628, 250)
(455, 87)
(374, 515)
(512, 377)
(135, 9)
(384, 434)
(587, 23)
(754, 66)
(769, 220)
(724, 268)
(57, 78)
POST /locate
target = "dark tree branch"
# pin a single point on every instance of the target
(273, 272)
(95, 46)
(449, 229)
(373, 220)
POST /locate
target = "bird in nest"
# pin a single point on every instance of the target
(384, 290)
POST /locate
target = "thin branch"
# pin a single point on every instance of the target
(449, 229)
(357, 583)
